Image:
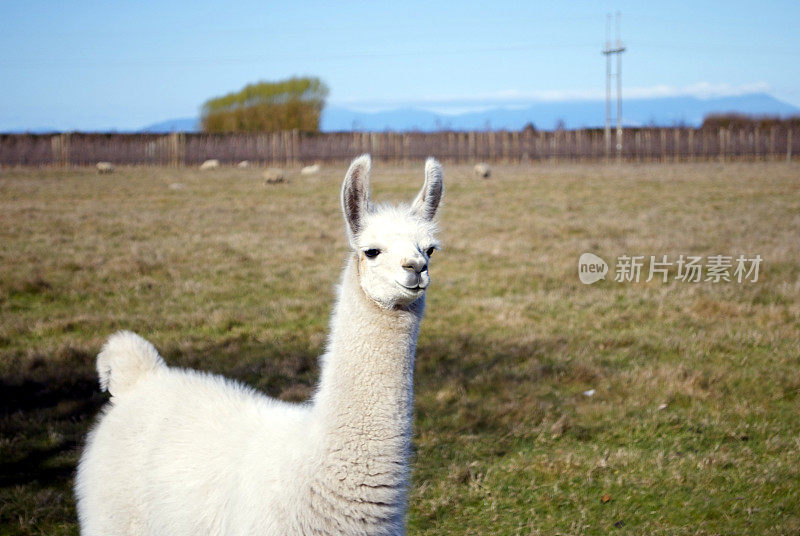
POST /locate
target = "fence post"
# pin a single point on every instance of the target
(722, 144)
(398, 148)
(374, 145)
(789, 146)
(296, 156)
(569, 142)
(756, 144)
(67, 149)
(676, 149)
(703, 144)
(471, 144)
(771, 143)
(55, 148)
(173, 149)
(547, 144)
(451, 146)
(59, 145)
(741, 152)
(730, 150)
(181, 149)
(745, 144)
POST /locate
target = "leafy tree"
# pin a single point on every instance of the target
(295, 103)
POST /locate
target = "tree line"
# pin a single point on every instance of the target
(736, 121)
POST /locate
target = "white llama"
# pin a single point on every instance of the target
(180, 452)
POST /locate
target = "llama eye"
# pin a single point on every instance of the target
(430, 251)
(372, 253)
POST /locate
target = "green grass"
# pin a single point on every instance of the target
(227, 274)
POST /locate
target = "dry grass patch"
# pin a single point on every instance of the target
(692, 426)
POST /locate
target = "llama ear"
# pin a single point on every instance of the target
(355, 196)
(427, 200)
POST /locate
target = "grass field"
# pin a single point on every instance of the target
(694, 425)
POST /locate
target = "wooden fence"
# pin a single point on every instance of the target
(295, 148)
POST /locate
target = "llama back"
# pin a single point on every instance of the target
(124, 360)
(188, 453)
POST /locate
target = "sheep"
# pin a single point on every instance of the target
(310, 170)
(184, 453)
(482, 170)
(212, 163)
(274, 176)
(105, 167)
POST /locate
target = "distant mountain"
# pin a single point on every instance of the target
(186, 124)
(667, 111)
(335, 118)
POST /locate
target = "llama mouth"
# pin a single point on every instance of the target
(416, 288)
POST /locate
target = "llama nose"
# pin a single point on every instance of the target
(417, 264)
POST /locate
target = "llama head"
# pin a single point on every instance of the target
(393, 244)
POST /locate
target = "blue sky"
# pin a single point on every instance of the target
(123, 65)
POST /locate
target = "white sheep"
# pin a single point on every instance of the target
(212, 163)
(187, 453)
(482, 170)
(104, 167)
(310, 170)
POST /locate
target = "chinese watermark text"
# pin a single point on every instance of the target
(684, 268)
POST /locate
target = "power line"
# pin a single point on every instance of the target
(706, 48)
(123, 62)
(609, 50)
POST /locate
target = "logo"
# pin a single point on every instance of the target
(591, 268)
(686, 268)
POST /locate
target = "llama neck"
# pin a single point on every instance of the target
(362, 409)
(366, 384)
